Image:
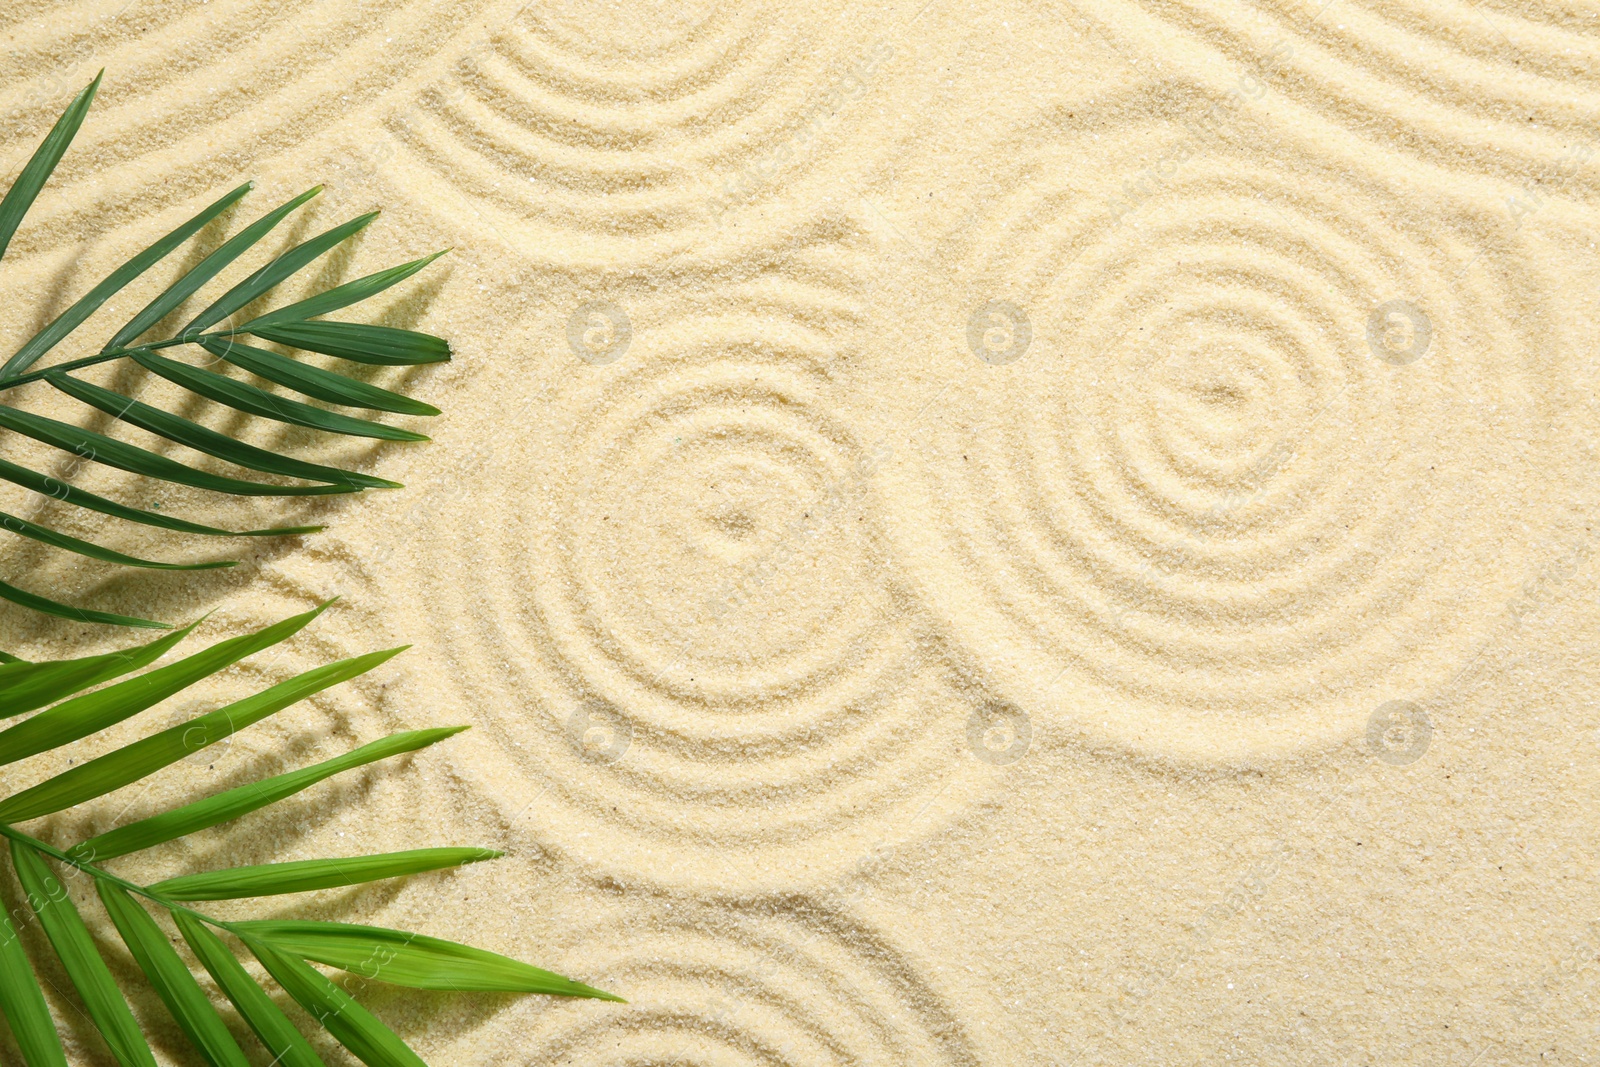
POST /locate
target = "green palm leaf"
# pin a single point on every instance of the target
(273, 1027)
(92, 712)
(143, 758)
(209, 330)
(351, 1025)
(410, 959)
(267, 278)
(341, 296)
(56, 704)
(202, 439)
(380, 345)
(61, 491)
(73, 317)
(28, 686)
(171, 978)
(225, 807)
(114, 453)
(270, 879)
(22, 1003)
(314, 382)
(19, 198)
(242, 396)
(283, 947)
(47, 536)
(208, 268)
(46, 606)
(64, 927)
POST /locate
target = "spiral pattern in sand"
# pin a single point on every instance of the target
(699, 643)
(772, 984)
(583, 141)
(195, 94)
(1199, 509)
(1506, 88)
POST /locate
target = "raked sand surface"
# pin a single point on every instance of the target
(967, 533)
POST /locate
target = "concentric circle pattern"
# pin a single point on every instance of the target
(587, 140)
(1507, 88)
(781, 983)
(1264, 399)
(701, 648)
(195, 94)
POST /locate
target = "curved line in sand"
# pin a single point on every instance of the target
(1156, 524)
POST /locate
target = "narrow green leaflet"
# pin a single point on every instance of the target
(60, 490)
(300, 876)
(114, 453)
(170, 976)
(335, 1010)
(26, 686)
(46, 606)
(64, 927)
(73, 317)
(248, 398)
(92, 712)
(22, 1003)
(274, 1029)
(401, 958)
(20, 197)
(224, 807)
(55, 538)
(148, 755)
(204, 439)
(341, 296)
(313, 381)
(263, 280)
(205, 270)
(358, 341)
(47, 705)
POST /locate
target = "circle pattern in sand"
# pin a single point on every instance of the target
(1505, 89)
(599, 141)
(689, 635)
(254, 73)
(1199, 517)
(772, 985)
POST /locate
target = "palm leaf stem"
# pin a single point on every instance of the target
(7, 830)
(101, 357)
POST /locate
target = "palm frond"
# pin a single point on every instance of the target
(211, 335)
(28, 686)
(56, 704)
(74, 946)
(285, 948)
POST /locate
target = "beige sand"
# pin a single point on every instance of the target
(1006, 534)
